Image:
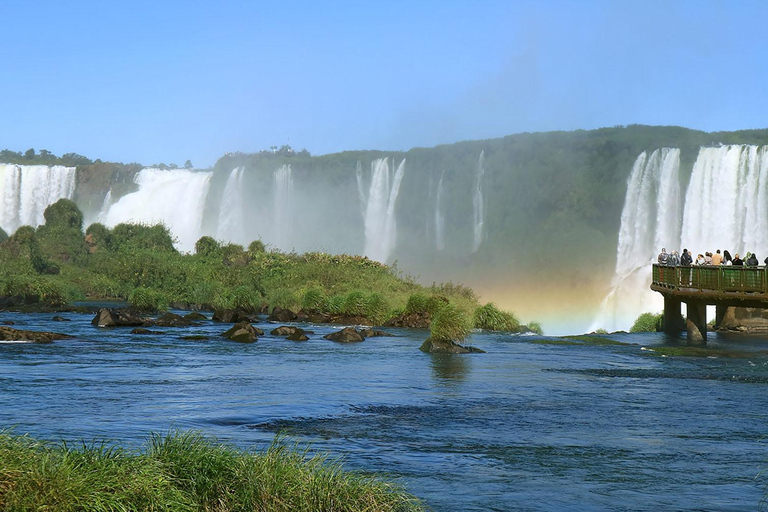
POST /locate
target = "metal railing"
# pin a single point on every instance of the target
(719, 278)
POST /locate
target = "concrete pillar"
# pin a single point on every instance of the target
(720, 312)
(672, 316)
(696, 323)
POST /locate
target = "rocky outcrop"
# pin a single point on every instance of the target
(195, 316)
(447, 347)
(243, 332)
(231, 316)
(291, 332)
(170, 320)
(281, 315)
(373, 333)
(410, 321)
(298, 336)
(346, 335)
(746, 320)
(108, 317)
(10, 334)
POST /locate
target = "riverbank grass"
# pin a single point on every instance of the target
(183, 471)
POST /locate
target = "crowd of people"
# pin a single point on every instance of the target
(674, 259)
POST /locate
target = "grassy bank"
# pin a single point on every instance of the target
(57, 263)
(183, 471)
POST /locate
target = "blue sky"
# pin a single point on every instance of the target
(168, 81)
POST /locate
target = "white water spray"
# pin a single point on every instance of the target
(478, 206)
(173, 197)
(27, 190)
(649, 221)
(231, 215)
(439, 216)
(282, 197)
(379, 217)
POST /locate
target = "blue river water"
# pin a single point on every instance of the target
(526, 426)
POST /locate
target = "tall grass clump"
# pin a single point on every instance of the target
(185, 472)
(147, 299)
(491, 318)
(450, 324)
(313, 300)
(376, 308)
(647, 322)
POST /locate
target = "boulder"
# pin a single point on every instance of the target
(10, 334)
(9, 322)
(109, 317)
(298, 335)
(170, 320)
(243, 332)
(346, 335)
(447, 347)
(281, 315)
(285, 330)
(141, 330)
(60, 319)
(373, 333)
(194, 316)
(231, 316)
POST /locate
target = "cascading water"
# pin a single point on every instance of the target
(283, 207)
(379, 217)
(173, 197)
(726, 206)
(650, 220)
(439, 216)
(478, 207)
(27, 190)
(231, 215)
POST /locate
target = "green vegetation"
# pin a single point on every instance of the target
(691, 351)
(450, 324)
(58, 263)
(490, 318)
(183, 471)
(647, 322)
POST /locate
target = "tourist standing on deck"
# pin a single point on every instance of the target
(717, 258)
(686, 260)
(737, 260)
(663, 257)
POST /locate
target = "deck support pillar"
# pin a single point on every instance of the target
(720, 311)
(696, 323)
(672, 316)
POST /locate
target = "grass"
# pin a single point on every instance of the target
(491, 318)
(184, 471)
(686, 351)
(450, 324)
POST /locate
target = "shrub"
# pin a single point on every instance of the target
(417, 304)
(354, 303)
(313, 300)
(245, 298)
(3, 235)
(131, 237)
(255, 247)
(335, 304)
(647, 322)
(490, 318)
(101, 235)
(376, 308)
(450, 324)
(206, 246)
(147, 299)
(64, 214)
(535, 327)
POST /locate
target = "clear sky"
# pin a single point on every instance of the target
(167, 81)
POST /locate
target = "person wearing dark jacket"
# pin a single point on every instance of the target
(752, 261)
(686, 260)
(737, 260)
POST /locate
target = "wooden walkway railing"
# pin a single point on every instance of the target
(722, 279)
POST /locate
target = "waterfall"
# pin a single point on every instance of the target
(379, 217)
(27, 190)
(231, 214)
(439, 216)
(175, 198)
(650, 220)
(478, 207)
(282, 197)
(726, 206)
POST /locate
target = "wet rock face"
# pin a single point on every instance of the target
(447, 347)
(231, 316)
(108, 317)
(346, 335)
(243, 332)
(281, 315)
(10, 334)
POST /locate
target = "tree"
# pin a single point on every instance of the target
(63, 213)
(188, 164)
(29, 154)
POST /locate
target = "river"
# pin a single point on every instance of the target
(526, 426)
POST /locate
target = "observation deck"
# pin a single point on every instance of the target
(700, 286)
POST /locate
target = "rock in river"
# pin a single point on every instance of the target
(10, 334)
